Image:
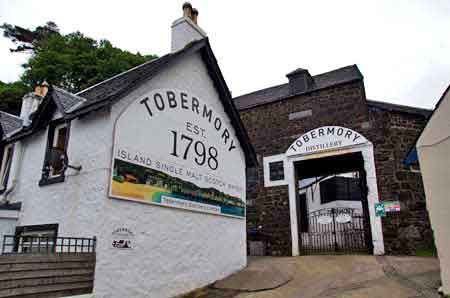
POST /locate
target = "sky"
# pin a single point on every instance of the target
(401, 47)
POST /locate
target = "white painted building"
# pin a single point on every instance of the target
(122, 178)
(433, 149)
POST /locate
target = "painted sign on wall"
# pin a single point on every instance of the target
(325, 138)
(175, 149)
(122, 238)
(392, 206)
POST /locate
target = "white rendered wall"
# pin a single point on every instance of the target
(433, 148)
(174, 250)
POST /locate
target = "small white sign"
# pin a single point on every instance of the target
(343, 218)
(122, 238)
(324, 219)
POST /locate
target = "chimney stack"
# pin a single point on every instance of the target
(41, 90)
(185, 29)
(300, 81)
(31, 102)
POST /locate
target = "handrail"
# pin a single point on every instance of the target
(13, 244)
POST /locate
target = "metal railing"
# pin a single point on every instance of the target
(33, 244)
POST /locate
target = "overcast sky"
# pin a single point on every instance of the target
(401, 47)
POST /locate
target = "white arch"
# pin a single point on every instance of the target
(325, 138)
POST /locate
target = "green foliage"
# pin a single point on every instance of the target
(11, 96)
(75, 62)
(430, 252)
(72, 62)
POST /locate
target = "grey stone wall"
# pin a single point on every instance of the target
(272, 128)
(271, 132)
(393, 134)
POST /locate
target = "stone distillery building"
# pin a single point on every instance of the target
(331, 176)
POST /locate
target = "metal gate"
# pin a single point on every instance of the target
(335, 230)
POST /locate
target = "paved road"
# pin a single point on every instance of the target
(331, 277)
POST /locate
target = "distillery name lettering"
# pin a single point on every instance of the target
(321, 132)
(161, 101)
(323, 146)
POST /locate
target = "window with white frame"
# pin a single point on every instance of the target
(7, 153)
(56, 151)
(274, 173)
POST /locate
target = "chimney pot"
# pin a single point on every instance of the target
(187, 10)
(41, 90)
(194, 15)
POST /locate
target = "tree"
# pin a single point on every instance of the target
(11, 96)
(26, 39)
(72, 61)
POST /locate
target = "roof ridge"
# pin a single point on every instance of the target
(314, 76)
(336, 69)
(120, 74)
(139, 66)
(264, 89)
(398, 105)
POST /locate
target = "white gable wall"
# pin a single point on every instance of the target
(174, 250)
(433, 148)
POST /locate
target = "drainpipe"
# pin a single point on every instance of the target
(18, 153)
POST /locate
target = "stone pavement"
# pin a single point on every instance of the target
(330, 277)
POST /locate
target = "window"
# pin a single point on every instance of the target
(276, 170)
(340, 189)
(59, 143)
(55, 155)
(5, 165)
(36, 238)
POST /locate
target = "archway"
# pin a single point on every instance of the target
(339, 146)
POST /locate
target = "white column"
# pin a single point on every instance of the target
(292, 184)
(372, 198)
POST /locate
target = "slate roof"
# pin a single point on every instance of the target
(65, 100)
(116, 84)
(272, 94)
(9, 123)
(398, 108)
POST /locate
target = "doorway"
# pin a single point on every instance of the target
(332, 205)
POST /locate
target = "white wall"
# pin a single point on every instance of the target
(433, 148)
(174, 250)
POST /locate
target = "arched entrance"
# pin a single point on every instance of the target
(331, 176)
